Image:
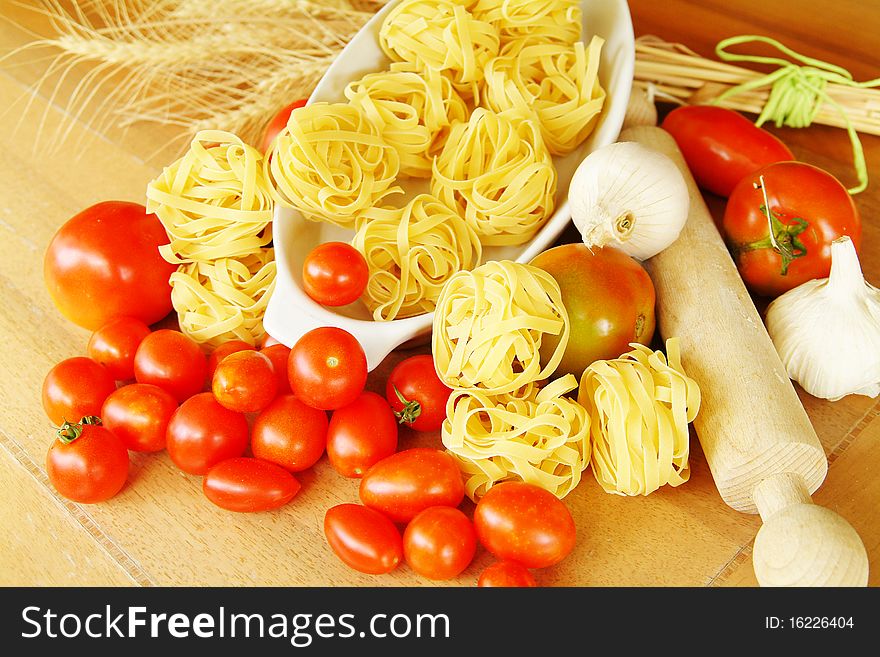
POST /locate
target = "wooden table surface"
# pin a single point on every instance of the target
(162, 531)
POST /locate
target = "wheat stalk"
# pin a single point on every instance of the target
(192, 64)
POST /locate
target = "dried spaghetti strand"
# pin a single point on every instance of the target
(331, 163)
(556, 84)
(489, 324)
(214, 201)
(414, 110)
(640, 405)
(441, 35)
(411, 253)
(532, 21)
(224, 299)
(542, 438)
(496, 172)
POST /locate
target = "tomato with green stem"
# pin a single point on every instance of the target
(115, 343)
(417, 395)
(87, 463)
(76, 388)
(139, 414)
(780, 222)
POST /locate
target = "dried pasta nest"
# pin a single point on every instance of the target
(489, 324)
(532, 21)
(213, 202)
(640, 405)
(441, 35)
(414, 110)
(411, 253)
(224, 299)
(558, 84)
(331, 163)
(542, 437)
(496, 172)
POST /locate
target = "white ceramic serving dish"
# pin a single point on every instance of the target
(291, 313)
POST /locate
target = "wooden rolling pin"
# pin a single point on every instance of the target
(762, 450)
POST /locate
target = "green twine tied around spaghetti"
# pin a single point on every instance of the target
(797, 92)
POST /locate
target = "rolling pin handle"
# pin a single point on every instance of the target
(801, 544)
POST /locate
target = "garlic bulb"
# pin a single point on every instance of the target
(827, 331)
(629, 196)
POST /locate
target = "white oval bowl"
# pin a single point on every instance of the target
(291, 313)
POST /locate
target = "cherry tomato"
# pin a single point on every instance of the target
(506, 573)
(247, 485)
(279, 355)
(439, 543)
(138, 414)
(524, 523)
(327, 368)
(172, 361)
(224, 350)
(245, 382)
(87, 463)
(278, 123)
(114, 344)
(406, 483)
(610, 302)
(290, 434)
(364, 539)
(75, 388)
(721, 146)
(104, 262)
(201, 433)
(335, 274)
(361, 434)
(809, 210)
(416, 394)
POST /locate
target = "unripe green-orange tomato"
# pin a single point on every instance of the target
(610, 302)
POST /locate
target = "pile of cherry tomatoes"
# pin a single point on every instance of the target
(147, 391)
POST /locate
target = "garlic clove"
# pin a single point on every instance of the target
(629, 196)
(827, 331)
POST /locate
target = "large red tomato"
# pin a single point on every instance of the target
(809, 209)
(524, 523)
(610, 302)
(406, 483)
(105, 262)
(721, 146)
